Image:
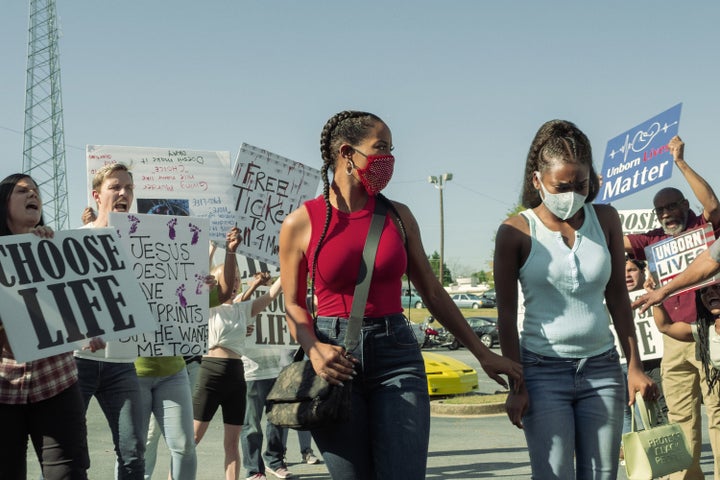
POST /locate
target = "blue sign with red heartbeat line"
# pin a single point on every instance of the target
(639, 158)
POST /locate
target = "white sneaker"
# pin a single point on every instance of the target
(309, 457)
(257, 476)
(280, 472)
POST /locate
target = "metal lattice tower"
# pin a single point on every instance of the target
(44, 143)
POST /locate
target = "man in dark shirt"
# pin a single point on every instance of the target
(682, 373)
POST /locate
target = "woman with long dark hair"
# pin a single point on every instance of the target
(387, 436)
(39, 399)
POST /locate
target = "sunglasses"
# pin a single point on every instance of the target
(670, 207)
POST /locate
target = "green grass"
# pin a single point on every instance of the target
(418, 315)
(476, 399)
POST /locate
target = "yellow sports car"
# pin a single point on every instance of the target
(447, 376)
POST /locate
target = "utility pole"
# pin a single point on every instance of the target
(44, 139)
(439, 183)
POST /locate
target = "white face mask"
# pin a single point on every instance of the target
(562, 205)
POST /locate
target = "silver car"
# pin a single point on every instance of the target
(468, 300)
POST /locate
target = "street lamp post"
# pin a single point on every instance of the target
(439, 183)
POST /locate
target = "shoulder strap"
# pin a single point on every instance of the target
(362, 288)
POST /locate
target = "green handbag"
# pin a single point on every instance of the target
(656, 451)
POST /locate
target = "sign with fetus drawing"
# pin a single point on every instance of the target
(639, 158)
(265, 188)
(59, 293)
(168, 256)
(173, 181)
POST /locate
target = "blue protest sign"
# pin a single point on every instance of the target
(639, 158)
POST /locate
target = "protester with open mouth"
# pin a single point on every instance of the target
(683, 375)
(39, 399)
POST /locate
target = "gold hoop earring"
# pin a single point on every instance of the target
(349, 167)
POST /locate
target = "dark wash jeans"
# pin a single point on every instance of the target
(251, 435)
(388, 434)
(57, 429)
(115, 386)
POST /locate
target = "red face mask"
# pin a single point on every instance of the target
(377, 173)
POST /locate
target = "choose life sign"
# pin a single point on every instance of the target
(639, 158)
(58, 293)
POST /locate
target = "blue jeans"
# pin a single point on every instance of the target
(389, 430)
(576, 408)
(116, 388)
(251, 435)
(153, 432)
(169, 400)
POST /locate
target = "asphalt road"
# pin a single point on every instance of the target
(460, 447)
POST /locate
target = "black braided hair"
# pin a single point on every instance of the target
(352, 127)
(557, 141)
(706, 321)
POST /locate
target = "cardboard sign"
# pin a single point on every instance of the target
(58, 293)
(271, 330)
(667, 258)
(265, 188)
(649, 338)
(639, 158)
(169, 257)
(638, 221)
(173, 181)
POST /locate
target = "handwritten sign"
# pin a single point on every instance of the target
(639, 158)
(667, 258)
(58, 293)
(169, 259)
(638, 221)
(265, 188)
(270, 325)
(649, 338)
(173, 181)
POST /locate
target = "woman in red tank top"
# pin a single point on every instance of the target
(387, 436)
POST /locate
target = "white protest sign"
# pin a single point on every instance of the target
(57, 293)
(649, 338)
(173, 182)
(265, 188)
(638, 221)
(671, 256)
(169, 257)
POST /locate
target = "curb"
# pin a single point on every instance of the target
(439, 408)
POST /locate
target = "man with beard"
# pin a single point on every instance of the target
(682, 373)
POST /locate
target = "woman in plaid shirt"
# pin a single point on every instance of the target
(40, 399)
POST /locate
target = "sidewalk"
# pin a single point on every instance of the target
(474, 447)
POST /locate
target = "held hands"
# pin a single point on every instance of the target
(332, 363)
(493, 365)
(516, 406)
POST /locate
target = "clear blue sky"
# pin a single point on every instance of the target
(463, 85)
